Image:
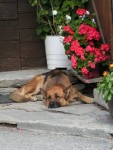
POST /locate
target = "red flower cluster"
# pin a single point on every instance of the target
(83, 46)
(68, 39)
(81, 11)
(68, 29)
(90, 32)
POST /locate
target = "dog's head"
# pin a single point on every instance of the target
(56, 96)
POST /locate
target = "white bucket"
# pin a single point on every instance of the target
(55, 53)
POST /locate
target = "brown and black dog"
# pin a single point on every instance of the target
(55, 87)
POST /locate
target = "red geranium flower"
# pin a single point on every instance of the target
(68, 39)
(81, 11)
(84, 70)
(73, 61)
(68, 29)
(105, 47)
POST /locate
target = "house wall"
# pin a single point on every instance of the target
(20, 47)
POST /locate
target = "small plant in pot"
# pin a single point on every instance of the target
(105, 87)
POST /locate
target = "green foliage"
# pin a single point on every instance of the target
(105, 87)
(49, 24)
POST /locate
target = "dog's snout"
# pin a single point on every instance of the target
(54, 105)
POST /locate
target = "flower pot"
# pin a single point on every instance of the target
(55, 53)
(94, 73)
(110, 105)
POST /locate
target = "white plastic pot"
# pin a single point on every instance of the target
(55, 53)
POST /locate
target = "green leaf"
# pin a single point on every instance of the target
(44, 1)
(110, 85)
(109, 97)
(111, 90)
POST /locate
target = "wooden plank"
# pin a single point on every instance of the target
(27, 20)
(9, 30)
(9, 49)
(9, 24)
(28, 35)
(32, 49)
(104, 15)
(8, 11)
(94, 9)
(34, 62)
(9, 34)
(5, 1)
(24, 6)
(8, 64)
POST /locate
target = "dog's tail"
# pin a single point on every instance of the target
(84, 98)
(16, 96)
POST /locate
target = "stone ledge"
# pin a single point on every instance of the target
(99, 100)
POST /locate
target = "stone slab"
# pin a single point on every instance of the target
(6, 91)
(76, 119)
(18, 78)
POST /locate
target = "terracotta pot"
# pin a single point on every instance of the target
(110, 105)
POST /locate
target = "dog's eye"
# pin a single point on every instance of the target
(57, 96)
(49, 98)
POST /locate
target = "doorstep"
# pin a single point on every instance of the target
(18, 78)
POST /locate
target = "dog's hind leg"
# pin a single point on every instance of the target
(76, 95)
(29, 91)
(84, 98)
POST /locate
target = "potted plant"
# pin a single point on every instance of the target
(83, 44)
(52, 15)
(105, 87)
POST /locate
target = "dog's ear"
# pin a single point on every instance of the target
(67, 92)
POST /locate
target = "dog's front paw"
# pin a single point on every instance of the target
(33, 98)
(36, 98)
(90, 100)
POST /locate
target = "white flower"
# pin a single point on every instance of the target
(87, 12)
(82, 17)
(93, 20)
(54, 12)
(60, 30)
(68, 17)
(61, 38)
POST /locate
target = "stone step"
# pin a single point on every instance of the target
(18, 78)
(78, 119)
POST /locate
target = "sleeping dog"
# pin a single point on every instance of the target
(55, 87)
